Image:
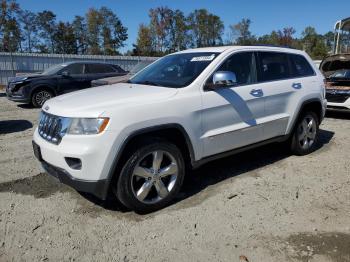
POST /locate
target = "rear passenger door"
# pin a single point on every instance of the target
(279, 88)
(284, 77)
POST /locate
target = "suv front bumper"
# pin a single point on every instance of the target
(97, 188)
(17, 96)
(92, 151)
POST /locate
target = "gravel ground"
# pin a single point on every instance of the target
(262, 205)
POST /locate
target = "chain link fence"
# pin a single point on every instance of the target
(12, 64)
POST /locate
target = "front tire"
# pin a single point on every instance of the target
(305, 135)
(39, 97)
(151, 177)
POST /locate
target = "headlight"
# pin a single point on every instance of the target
(87, 126)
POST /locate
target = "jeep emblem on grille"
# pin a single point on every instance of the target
(47, 108)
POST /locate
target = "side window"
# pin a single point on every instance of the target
(74, 69)
(117, 68)
(300, 66)
(99, 69)
(243, 65)
(273, 66)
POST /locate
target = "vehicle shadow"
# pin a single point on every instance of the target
(239, 105)
(111, 203)
(13, 126)
(219, 170)
(338, 114)
(26, 106)
(2, 94)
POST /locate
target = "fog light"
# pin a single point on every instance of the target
(73, 163)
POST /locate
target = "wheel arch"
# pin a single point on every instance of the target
(43, 86)
(313, 104)
(174, 133)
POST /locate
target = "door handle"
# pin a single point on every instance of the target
(297, 85)
(257, 92)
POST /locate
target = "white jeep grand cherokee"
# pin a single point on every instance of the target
(137, 139)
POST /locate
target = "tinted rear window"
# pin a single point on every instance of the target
(273, 66)
(300, 66)
(99, 69)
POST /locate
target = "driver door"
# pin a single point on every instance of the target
(72, 79)
(231, 115)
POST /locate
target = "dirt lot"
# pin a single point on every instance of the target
(264, 204)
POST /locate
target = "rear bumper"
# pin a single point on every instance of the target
(97, 188)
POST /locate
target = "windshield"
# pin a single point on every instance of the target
(341, 74)
(176, 70)
(53, 69)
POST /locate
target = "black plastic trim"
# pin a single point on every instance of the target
(239, 150)
(96, 188)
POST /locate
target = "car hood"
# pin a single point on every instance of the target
(25, 77)
(93, 102)
(333, 63)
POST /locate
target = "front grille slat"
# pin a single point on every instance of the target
(50, 128)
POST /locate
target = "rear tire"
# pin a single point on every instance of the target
(40, 96)
(305, 134)
(151, 177)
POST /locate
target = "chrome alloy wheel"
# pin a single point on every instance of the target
(41, 97)
(307, 132)
(154, 177)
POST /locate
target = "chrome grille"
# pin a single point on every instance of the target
(52, 128)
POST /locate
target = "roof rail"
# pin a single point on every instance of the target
(269, 45)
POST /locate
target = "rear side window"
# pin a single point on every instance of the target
(117, 68)
(300, 66)
(243, 65)
(74, 69)
(99, 69)
(273, 66)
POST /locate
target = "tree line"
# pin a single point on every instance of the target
(170, 30)
(100, 31)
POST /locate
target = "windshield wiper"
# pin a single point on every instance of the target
(147, 83)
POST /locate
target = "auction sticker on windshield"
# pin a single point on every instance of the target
(203, 58)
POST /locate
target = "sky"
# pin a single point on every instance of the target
(266, 15)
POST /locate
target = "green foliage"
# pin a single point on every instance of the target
(206, 29)
(64, 39)
(100, 31)
(10, 33)
(313, 43)
(170, 30)
(240, 33)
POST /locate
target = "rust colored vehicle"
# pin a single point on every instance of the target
(336, 69)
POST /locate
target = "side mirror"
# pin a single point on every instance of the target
(65, 74)
(224, 79)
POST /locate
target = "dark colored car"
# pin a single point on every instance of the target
(120, 79)
(35, 89)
